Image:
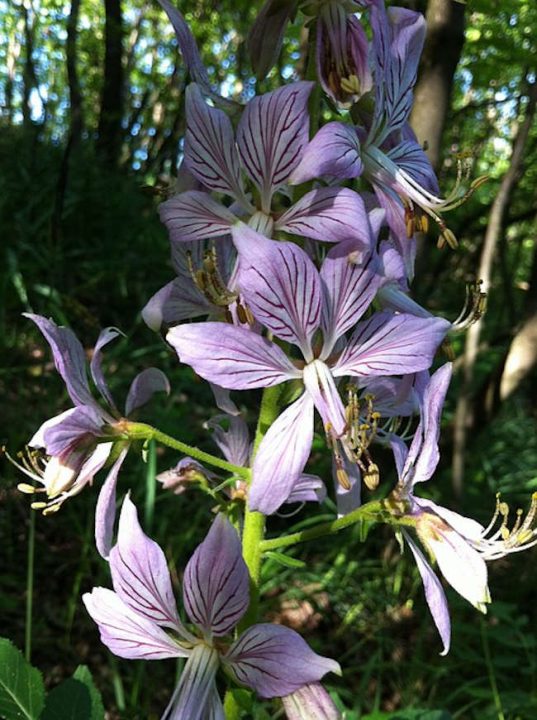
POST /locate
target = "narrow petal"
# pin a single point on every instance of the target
(106, 336)
(266, 35)
(79, 426)
(308, 488)
(410, 157)
(144, 386)
(69, 358)
(216, 581)
(280, 285)
(234, 443)
(389, 344)
(272, 134)
(140, 573)
(210, 152)
(194, 215)
(322, 389)
(328, 214)
(194, 697)
(333, 152)
(177, 301)
(310, 702)
(434, 594)
(230, 356)
(125, 633)
(281, 457)
(467, 527)
(274, 660)
(398, 36)
(222, 398)
(105, 511)
(423, 455)
(350, 499)
(349, 289)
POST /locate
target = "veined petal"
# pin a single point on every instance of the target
(78, 426)
(234, 443)
(193, 698)
(329, 214)
(176, 301)
(308, 488)
(410, 157)
(387, 344)
(395, 218)
(105, 336)
(69, 358)
(124, 632)
(281, 457)
(271, 136)
(105, 511)
(398, 36)
(423, 455)
(144, 386)
(266, 35)
(140, 573)
(321, 387)
(274, 660)
(349, 289)
(310, 702)
(333, 152)
(194, 215)
(434, 594)
(467, 527)
(210, 152)
(216, 581)
(280, 285)
(230, 356)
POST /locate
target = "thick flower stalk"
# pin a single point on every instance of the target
(139, 620)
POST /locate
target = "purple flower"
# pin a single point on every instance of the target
(139, 620)
(271, 136)
(342, 53)
(79, 441)
(294, 301)
(310, 702)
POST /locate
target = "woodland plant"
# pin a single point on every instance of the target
(293, 231)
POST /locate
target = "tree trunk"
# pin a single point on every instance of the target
(110, 133)
(75, 97)
(463, 413)
(432, 94)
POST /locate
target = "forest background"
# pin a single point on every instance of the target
(92, 109)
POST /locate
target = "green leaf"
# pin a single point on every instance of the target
(75, 699)
(285, 560)
(415, 714)
(22, 693)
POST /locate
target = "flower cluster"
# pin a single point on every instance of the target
(293, 248)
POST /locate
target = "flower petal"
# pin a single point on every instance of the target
(216, 581)
(105, 336)
(272, 134)
(308, 488)
(140, 573)
(322, 388)
(423, 454)
(69, 358)
(349, 289)
(333, 152)
(387, 344)
(274, 660)
(280, 285)
(125, 633)
(281, 457)
(266, 35)
(105, 511)
(176, 301)
(78, 426)
(230, 356)
(329, 214)
(410, 157)
(194, 697)
(144, 386)
(434, 594)
(310, 702)
(234, 443)
(194, 215)
(210, 152)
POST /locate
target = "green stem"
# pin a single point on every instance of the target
(141, 431)
(29, 588)
(150, 486)
(374, 511)
(490, 671)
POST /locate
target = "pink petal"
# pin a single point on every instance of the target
(194, 215)
(105, 511)
(333, 152)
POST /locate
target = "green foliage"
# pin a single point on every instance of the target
(22, 692)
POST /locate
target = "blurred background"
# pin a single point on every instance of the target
(92, 112)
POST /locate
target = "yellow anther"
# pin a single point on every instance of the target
(523, 537)
(26, 488)
(343, 478)
(39, 506)
(372, 476)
